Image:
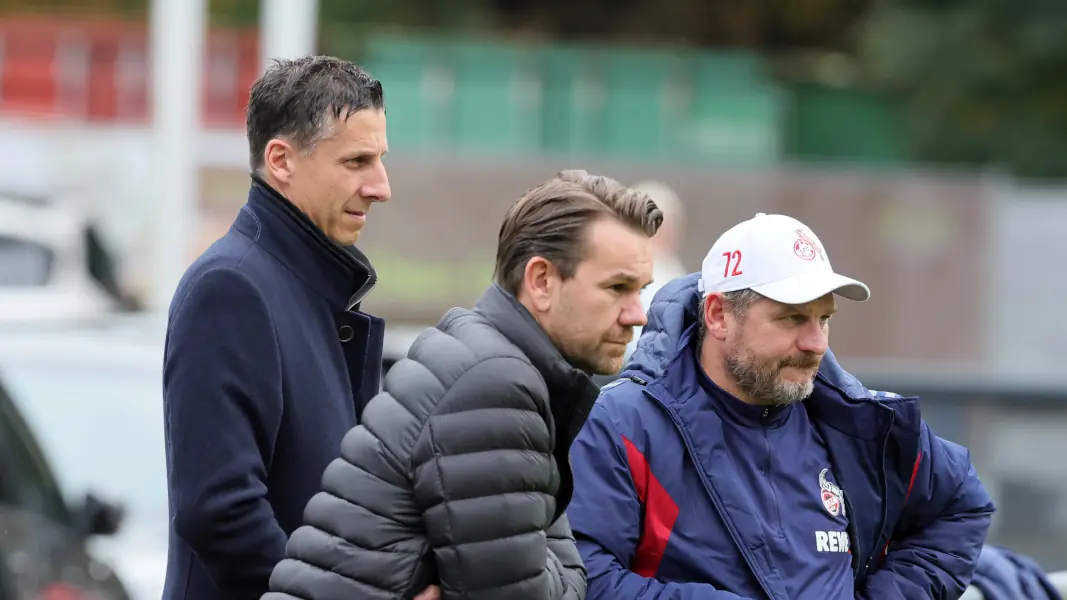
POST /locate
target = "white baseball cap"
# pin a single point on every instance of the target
(778, 257)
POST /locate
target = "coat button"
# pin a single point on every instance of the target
(346, 333)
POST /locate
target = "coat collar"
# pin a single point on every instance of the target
(572, 393)
(343, 275)
(513, 320)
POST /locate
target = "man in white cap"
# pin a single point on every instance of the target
(736, 459)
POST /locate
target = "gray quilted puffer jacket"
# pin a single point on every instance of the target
(457, 475)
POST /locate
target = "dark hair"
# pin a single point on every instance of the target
(301, 99)
(551, 219)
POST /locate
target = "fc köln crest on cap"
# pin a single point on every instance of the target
(832, 499)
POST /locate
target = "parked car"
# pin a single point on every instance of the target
(92, 393)
(54, 264)
(43, 549)
(8, 591)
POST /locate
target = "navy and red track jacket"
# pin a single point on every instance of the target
(658, 514)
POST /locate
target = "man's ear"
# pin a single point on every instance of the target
(540, 280)
(715, 316)
(278, 160)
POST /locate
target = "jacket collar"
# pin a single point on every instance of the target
(343, 275)
(573, 391)
(729, 407)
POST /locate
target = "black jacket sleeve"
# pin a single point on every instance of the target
(223, 404)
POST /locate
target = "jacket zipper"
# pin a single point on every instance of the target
(857, 544)
(768, 477)
(885, 487)
(864, 568)
(730, 527)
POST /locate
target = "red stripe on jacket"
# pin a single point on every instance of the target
(659, 513)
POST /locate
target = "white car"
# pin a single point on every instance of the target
(93, 395)
(47, 245)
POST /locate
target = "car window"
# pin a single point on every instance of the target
(23, 263)
(26, 480)
(101, 427)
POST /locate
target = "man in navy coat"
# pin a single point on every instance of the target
(268, 358)
(735, 459)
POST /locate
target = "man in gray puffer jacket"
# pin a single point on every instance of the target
(454, 485)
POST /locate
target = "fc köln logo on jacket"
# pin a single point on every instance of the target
(832, 499)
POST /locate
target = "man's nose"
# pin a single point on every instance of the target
(814, 339)
(633, 313)
(376, 187)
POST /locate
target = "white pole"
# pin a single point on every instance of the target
(288, 29)
(177, 54)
